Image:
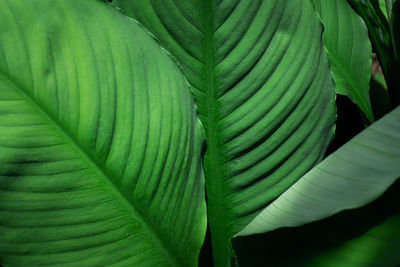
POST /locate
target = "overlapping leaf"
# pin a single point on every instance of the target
(384, 37)
(349, 49)
(99, 142)
(264, 91)
(354, 175)
(366, 236)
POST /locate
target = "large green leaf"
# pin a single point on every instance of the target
(349, 49)
(99, 142)
(366, 236)
(354, 175)
(264, 91)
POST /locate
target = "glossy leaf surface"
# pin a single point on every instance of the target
(99, 142)
(263, 87)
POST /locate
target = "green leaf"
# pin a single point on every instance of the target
(395, 32)
(366, 236)
(264, 91)
(382, 38)
(378, 246)
(354, 175)
(378, 32)
(395, 59)
(349, 49)
(381, 10)
(389, 4)
(99, 142)
(384, 6)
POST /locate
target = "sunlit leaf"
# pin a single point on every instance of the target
(99, 142)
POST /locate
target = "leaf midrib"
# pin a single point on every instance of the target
(98, 169)
(216, 189)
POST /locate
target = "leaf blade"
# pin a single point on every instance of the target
(328, 188)
(365, 236)
(254, 81)
(90, 143)
(346, 39)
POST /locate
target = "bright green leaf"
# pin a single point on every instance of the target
(99, 142)
(349, 49)
(354, 175)
(265, 94)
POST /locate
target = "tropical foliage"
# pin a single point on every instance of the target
(127, 129)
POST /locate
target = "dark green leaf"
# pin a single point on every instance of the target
(384, 44)
(367, 236)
